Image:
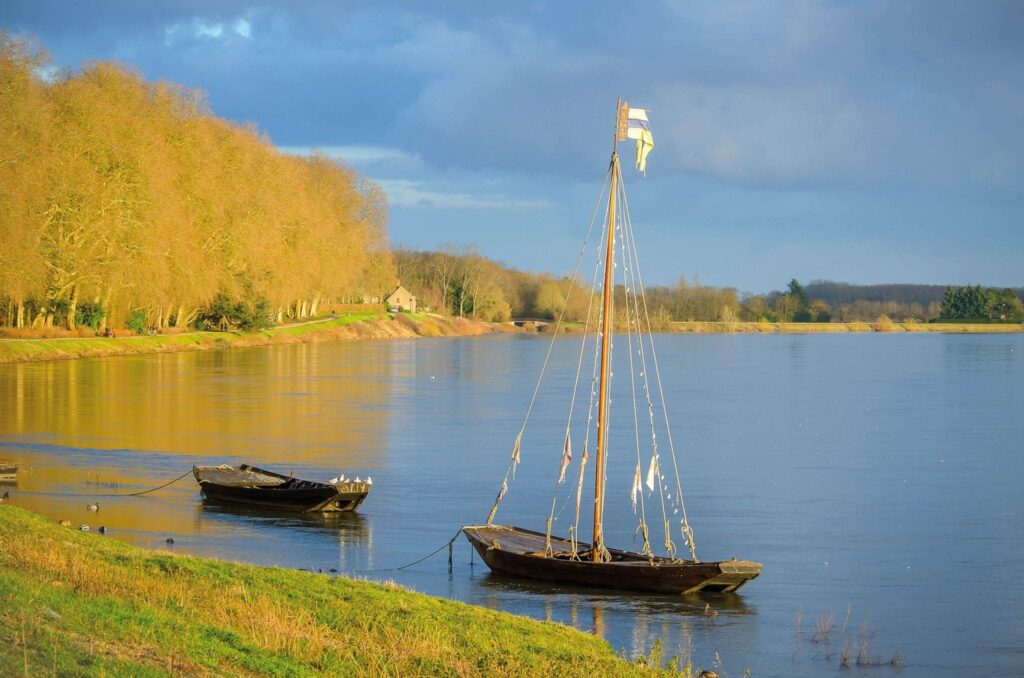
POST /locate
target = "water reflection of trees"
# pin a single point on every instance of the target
(319, 405)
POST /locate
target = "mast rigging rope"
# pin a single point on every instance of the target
(540, 378)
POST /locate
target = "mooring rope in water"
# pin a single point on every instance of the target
(118, 494)
(447, 545)
(136, 494)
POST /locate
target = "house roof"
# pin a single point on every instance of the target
(400, 291)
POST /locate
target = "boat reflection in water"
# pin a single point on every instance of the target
(675, 619)
(689, 605)
(349, 523)
(341, 541)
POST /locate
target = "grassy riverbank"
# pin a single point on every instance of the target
(79, 603)
(372, 325)
(361, 325)
(832, 328)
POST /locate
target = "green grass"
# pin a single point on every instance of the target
(377, 325)
(342, 320)
(79, 603)
(14, 350)
(816, 328)
(346, 326)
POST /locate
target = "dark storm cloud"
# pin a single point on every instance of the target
(798, 120)
(757, 92)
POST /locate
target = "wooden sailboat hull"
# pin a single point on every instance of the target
(520, 552)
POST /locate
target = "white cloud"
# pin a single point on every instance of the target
(49, 73)
(199, 28)
(393, 158)
(408, 193)
(204, 30)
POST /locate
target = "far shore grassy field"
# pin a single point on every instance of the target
(379, 325)
(80, 603)
(346, 326)
(831, 328)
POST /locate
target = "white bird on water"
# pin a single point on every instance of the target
(93, 507)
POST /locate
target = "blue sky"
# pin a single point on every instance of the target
(856, 141)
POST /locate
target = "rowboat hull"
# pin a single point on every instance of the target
(8, 473)
(252, 486)
(520, 552)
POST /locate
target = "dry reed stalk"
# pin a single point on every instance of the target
(849, 609)
(823, 627)
(847, 654)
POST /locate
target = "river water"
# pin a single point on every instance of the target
(877, 477)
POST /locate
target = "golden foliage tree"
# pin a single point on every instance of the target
(131, 197)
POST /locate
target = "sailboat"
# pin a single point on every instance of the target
(540, 555)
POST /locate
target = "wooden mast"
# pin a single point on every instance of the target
(606, 333)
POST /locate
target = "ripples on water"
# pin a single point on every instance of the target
(876, 476)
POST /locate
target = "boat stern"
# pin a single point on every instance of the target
(350, 495)
(733, 574)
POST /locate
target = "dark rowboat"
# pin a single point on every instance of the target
(256, 487)
(520, 552)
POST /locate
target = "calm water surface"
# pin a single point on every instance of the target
(877, 477)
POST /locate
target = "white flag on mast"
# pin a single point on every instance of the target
(638, 127)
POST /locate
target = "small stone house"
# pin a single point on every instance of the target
(402, 300)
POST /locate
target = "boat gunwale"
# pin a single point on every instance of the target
(197, 470)
(625, 558)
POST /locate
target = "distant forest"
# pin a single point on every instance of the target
(127, 205)
(921, 302)
(459, 281)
